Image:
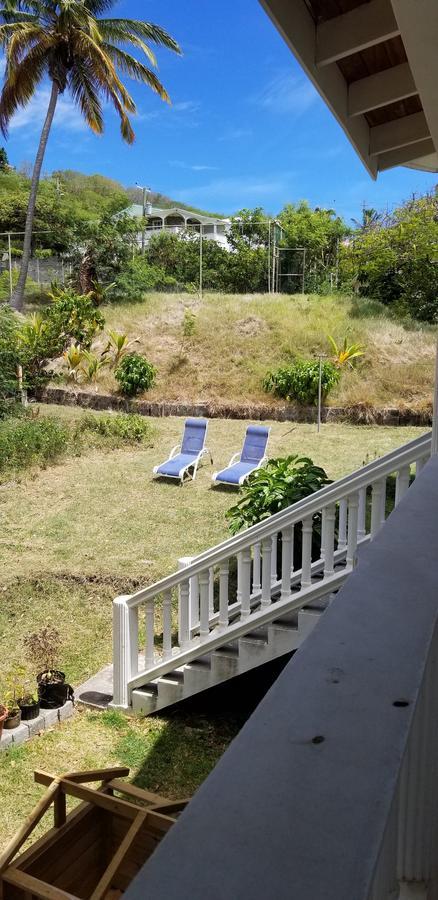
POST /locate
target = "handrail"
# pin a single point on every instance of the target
(338, 490)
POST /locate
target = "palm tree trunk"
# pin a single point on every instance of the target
(17, 298)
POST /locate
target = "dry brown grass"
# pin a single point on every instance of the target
(238, 338)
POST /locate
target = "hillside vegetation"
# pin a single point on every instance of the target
(236, 339)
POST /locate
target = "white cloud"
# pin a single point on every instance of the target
(186, 106)
(31, 117)
(287, 93)
(233, 191)
(179, 164)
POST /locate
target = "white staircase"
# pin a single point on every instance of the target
(239, 606)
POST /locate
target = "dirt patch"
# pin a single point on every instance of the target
(250, 326)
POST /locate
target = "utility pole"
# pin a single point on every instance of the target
(11, 288)
(145, 191)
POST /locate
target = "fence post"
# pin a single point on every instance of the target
(183, 562)
(125, 650)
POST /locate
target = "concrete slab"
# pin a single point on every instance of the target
(97, 692)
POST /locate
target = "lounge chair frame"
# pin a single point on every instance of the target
(236, 458)
(185, 470)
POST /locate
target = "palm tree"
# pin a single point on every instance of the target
(69, 41)
(370, 218)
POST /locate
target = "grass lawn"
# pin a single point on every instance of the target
(76, 534)
(238, 338)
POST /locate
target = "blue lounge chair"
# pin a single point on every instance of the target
(185, 458)
(253, 456)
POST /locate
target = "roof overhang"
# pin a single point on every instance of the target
(375, 63)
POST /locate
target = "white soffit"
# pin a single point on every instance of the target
(410, 140)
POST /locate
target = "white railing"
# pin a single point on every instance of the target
(242, 583)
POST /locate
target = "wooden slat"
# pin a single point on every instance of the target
(54, 835)
(131, 790)
(112, 804)
(84, 777)
(379, 89)
(29, 824)
(398, 133)
(171, 807)
(34, 886)
(405, 155)
(105, 882)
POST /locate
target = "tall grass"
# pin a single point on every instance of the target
(238, 338)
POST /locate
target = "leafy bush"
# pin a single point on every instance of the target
(115, 429)
(8, 357)
(345, 354)
(135, 374)
(300, 381)
(31, 441)
(139, 277)
(70, 317)
(280, 483)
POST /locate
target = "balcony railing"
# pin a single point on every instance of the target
(241, 584)
(330, 791)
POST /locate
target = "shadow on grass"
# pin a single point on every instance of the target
(183, 746)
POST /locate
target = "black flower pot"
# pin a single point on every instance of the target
(29, 711)
(52, 689)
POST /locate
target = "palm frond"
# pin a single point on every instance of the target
(122, 29)
(96, 7)
(19, 87)
(136, 70)
(85, 93)
(103, 66)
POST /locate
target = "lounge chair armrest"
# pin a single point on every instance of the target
(174, 451)
(235, 458)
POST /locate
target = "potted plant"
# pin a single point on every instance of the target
(43, 648)
(3, 717)
(13, 684)
(29, 705)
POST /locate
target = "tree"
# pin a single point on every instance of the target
(80, 52)
(4, 162)
(370, 218)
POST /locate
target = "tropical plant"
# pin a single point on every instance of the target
(14, 688)
(8, 357)
(370, 218)
(73, 359)
(135, 374)
(300, 380)
(345, 354)
(67, 41)
(280, 483)
(4, 162)
(92, 365)
(117, 346)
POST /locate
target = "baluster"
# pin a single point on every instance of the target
(167, 625)
(286, 557)
(149, 645)
(125, 649)
(306, 557)
(292, 548)
(402, 483)
(211, 591)
(361, 524)
(239, 579)
(274, 558)
(223, 594)
(204, 601)
(323, 534)
(342, 529)
(184, 614)
(376, 507)
(266, 571)
(353, 520)
(383, 507)
(256, 569)
(329, 515)
(245, 591)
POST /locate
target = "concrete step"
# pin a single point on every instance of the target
(253, 650)
(197, 676)
(225, 663)
(307, 619)
(170, 688)
(144, 699)
(283, 636)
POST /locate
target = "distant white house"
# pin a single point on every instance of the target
(177, 221)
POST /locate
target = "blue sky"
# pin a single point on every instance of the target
(246, 127)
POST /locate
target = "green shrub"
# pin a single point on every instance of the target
(70, 317)
(280, 483)
(31, 441)
(139, 278)
(8, 357)
(300, 381)
(135, 374)
(115, 430)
